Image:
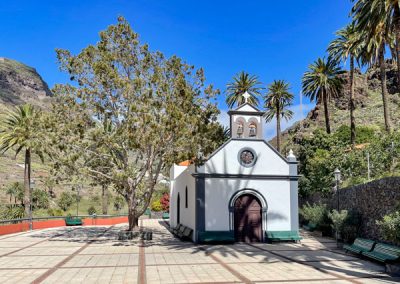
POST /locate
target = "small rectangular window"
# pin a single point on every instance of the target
(186, 198)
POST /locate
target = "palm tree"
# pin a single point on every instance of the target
(277, 101)
(348, 45)
(369, 14)
(322, 82)
(18, 131)
(241, 83)
(377, 26)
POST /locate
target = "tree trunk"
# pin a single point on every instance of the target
(397, 45)
(278, 130)
(104, 199)
(326, 111)
(133, 219)
(384, 88)
(352, 104)
(27, 181)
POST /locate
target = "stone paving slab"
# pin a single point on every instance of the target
(177, 258)
(116, 248)
(30, 261)
(94, 275)
(247, 257)
(319, 255)
(279, 271)
(10, 244)
(20, 276)
(202, 273)
(47, 251)
(103, 260)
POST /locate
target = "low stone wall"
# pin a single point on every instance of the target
(372, 200)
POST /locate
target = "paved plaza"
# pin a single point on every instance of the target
(94, 255)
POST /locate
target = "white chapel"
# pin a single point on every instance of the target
(245, 190)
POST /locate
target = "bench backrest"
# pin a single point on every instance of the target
(364, 243)
(387, 249)
(181, 229)
(187, 232)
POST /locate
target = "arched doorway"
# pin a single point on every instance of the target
(178, 210)
(248, 219)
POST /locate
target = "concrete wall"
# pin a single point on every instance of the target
(275, 192)
(178, 185)
(226, 160)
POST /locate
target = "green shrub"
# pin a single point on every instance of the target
(95, 199)
(40, 199)
(314, 214)
(9, 212)
(351, 226)
(118, 202)
(156, 206)
(65, 201)
(338, 220)
(363, 134)
(390, 226)
(55, 212)
(92, 210)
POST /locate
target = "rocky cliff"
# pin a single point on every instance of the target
(21, 84)
(369, 108)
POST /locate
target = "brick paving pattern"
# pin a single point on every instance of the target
(94, 255)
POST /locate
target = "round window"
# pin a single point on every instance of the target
(247, 157)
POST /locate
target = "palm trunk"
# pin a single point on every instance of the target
(326, 111)
(384, 88)
(397, 45)
(278, 130)
(104, 199)
(27, 180)
(352, 104)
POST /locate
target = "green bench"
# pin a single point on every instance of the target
(282, 236)
(360, 245)
(73, 221)
(384, 253)
(182, 232)
(165, 215)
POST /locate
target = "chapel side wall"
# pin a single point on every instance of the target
(218, 193)
(187, 215)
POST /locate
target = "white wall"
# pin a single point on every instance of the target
(178, 185)
(219, 192)
(226, 160)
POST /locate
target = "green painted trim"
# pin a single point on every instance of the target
(282, 236)
(216, 237)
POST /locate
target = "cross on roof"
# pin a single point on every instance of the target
(246, 96)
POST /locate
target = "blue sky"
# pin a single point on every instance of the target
(272, 39)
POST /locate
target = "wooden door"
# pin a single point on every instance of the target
(247, 219)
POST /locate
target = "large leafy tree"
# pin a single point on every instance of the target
(159, 109)
(371, 15)
(20, 131)
(277, 101)
(377, 28)
(348, 45)
(240, 84)
(321, 82)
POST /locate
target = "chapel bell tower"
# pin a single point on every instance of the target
(246, 121)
